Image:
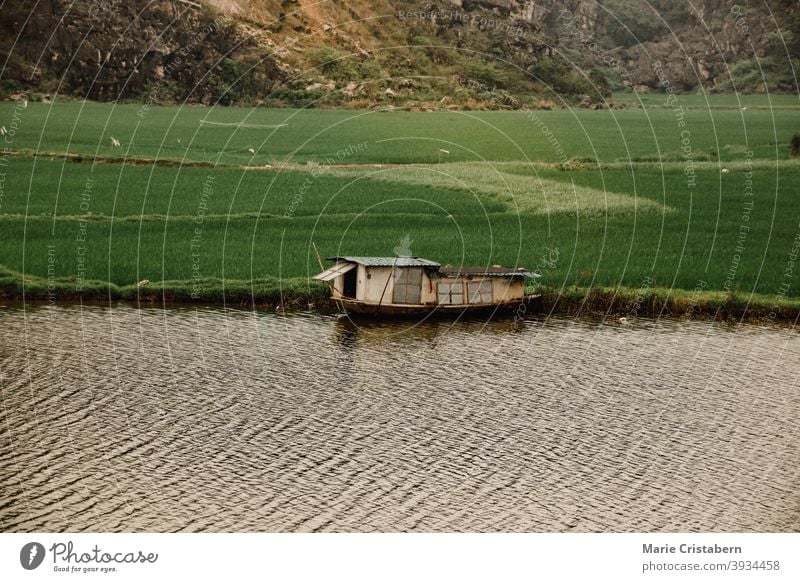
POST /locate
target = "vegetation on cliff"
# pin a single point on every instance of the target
(470, 54)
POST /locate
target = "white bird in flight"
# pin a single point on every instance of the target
(251, 150)
(115, 142)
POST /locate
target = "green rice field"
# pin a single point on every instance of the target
(226, 202)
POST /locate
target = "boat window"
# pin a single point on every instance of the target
(451, 292)
(480, 291)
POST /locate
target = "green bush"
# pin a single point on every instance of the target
(487, 74)
(559, 77)
(421, 40)
(333, 63)
(8, 86)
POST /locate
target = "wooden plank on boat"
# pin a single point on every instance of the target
(335, 271)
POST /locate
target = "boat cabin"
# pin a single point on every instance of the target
(412, 281)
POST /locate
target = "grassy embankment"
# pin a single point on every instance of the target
(604, 203)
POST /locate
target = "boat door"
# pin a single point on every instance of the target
(407, 285)
(350, 279)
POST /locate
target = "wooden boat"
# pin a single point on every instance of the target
(361, 308)
(415, 287)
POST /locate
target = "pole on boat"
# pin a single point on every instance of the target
(389, 278)
(319, 258)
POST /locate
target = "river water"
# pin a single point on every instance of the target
(125, 419)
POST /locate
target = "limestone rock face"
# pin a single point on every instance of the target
(232, 51)
(115, 50)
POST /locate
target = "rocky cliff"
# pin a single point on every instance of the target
(463, 53)
(109, 49)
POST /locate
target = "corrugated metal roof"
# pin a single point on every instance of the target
(388, 261)
(448, 271)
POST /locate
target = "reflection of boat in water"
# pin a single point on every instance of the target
(410, 287)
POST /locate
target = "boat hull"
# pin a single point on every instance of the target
(375, 311)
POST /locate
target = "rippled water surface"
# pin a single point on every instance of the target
(119, 419)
